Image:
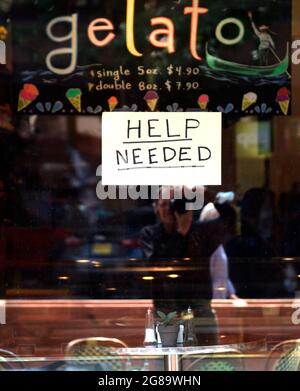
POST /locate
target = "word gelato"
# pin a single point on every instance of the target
(162, 37)
(105, 25)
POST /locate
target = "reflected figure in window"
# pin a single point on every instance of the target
(176, 237)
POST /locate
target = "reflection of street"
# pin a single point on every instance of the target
(51, 188)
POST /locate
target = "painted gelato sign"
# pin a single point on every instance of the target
(183, 55)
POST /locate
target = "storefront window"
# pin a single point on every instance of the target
(98, 253)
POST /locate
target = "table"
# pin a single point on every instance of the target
(172, 355)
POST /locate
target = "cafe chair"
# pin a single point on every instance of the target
(228, 361)
(96, 354)
(9, 361)
(284, 356)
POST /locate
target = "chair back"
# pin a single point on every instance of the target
(99, 353)
(228, 361)
(284, 356)
(10, 361)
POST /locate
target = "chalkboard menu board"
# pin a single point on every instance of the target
(151, 55)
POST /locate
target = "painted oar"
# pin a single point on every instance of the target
(221, 65)
(277, 58)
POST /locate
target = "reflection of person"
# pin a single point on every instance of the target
(255, 275)
(266, 42)
(168, 238)
(164, 241)
(177, 236)
(221, 284)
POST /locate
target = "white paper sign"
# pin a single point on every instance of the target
(180, 149)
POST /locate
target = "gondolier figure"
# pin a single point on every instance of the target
(266, 42)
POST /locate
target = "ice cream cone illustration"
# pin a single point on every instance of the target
(285, 106)
(203, 101)
(248, 100)
(113, 103)
(151, 98)
(27, 95)
(283, 99)
(74, 96)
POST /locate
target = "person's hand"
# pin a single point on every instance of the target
(184, 222)
(250, 15)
